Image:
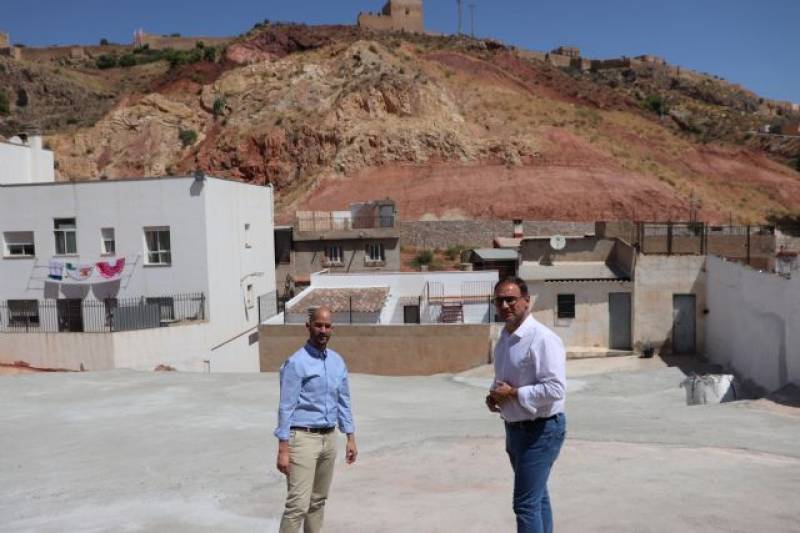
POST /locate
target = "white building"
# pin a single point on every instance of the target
(397, 298)
(24, 160)
(198, 253)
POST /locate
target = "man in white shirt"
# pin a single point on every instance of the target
(528, 392)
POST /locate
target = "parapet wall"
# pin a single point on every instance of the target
(479, 233)
(401, 350)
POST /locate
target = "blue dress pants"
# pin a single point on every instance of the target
(533, 447)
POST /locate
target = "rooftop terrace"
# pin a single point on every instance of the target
(189, 452)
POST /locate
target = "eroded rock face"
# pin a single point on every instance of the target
(302, 109)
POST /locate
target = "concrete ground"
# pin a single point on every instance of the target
(127, 451)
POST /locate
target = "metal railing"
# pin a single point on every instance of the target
(100, 316)
(331, 222)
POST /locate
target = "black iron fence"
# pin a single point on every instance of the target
(100, 316)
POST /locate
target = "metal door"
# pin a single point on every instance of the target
(619, 312)
(70, 314)
(683, 324)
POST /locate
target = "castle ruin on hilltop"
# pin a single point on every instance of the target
(396, 15)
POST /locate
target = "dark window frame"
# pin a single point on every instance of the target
(565, 306)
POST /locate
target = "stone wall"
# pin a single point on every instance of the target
(397, 15)
(403, 350)
(480, 233)
(159, 42)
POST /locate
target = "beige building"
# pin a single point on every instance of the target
(396, 15)
(4, 40)
(363, 239)
(582, 289)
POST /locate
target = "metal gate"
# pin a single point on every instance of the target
(619, 311)
(683, 324)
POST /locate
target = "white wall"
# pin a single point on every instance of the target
(26, 163)
(232, 266)
(126, 206)
(408, 285)
(753, 323)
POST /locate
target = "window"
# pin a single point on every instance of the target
(23, 313)
(247, 243)
(249, 296)
(566, 306)
(66, 236)
(375, 253)
(166, 307)
(19, 244)
(108, 244)
(157, 246)
(333, 255)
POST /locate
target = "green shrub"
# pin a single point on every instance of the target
(656, 103)
(219, 105)
(425, 257)
(106, 61)
(454, 252)
(210, 54)
(797, 164)
(199, 44)
(128, 60)
(5, 106)
(187, 137)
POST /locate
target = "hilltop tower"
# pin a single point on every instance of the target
(4, 40)
(396, 15)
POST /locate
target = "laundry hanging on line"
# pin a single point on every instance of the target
(79, 272)
(56, 270)
(110, 270)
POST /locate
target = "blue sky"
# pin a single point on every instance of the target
(752, 42)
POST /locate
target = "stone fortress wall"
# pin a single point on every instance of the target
(396, 15)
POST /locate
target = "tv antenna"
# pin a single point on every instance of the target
(459, 16)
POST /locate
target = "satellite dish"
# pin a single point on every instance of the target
(558, 242)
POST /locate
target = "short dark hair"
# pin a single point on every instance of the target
(513, 280)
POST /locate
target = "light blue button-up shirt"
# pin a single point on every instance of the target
(314, 392)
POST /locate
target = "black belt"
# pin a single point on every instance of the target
(322, 431)
(523, 423)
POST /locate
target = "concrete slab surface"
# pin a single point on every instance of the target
(128, 451)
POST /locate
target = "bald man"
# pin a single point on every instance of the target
(315, 398)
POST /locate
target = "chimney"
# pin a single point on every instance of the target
(35, 142)
(518, 231)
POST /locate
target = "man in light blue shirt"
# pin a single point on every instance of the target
(315, 398)
(528, 392)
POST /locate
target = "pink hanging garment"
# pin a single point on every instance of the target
(111, 270)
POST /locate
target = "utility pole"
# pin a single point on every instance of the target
(459, 16)
(472, 20)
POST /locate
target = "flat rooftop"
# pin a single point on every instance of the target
(179, 452)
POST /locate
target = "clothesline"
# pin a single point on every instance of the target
(64, 270)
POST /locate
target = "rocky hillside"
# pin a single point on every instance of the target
(449, 127)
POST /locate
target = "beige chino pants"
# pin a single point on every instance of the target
(311, 460)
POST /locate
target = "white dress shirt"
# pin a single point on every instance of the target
(533, 360)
